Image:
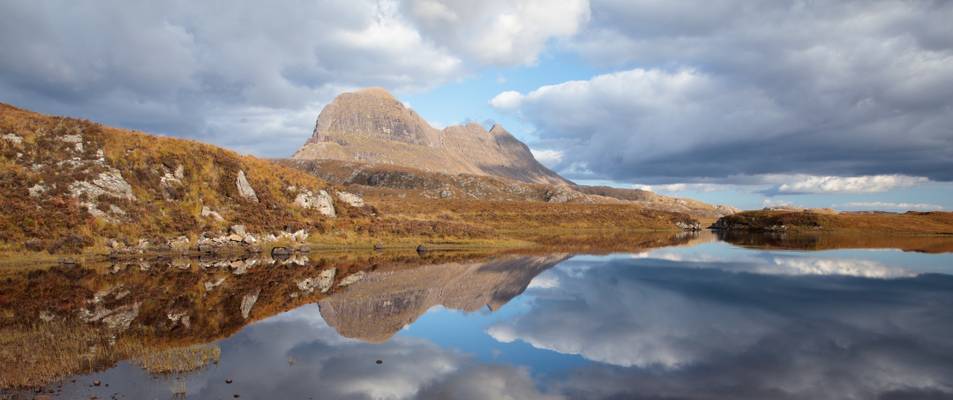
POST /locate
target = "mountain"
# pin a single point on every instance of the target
(371, 126)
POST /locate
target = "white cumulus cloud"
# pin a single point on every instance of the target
(850, 184)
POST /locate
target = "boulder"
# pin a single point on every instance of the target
(351, 199)
(248, 301)
(244, 188)
(352, 279)
(207, 212)
(688, 225)
(180, 243)
(321, 202)
(322, 282)
(277, 252)
(237, 229)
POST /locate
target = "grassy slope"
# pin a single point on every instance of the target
(60, 221)
(57, 222)
(918, 223)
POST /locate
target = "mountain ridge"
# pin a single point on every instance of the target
(372, 126)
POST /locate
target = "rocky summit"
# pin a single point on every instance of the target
(371, 126)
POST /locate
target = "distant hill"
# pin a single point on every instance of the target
(793, 220)
(409, 181)
(371, 126)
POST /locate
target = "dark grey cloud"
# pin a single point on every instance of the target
(239, 74)
(709, 90)
(748, 326)
(253, 76)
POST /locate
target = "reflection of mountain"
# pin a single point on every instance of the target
(382, 303)
(64, 320)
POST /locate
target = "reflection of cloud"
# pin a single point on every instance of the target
(295, 355)
(486, 382)
(780, 265)
(544, 281)
(820, 266)
(707, 332)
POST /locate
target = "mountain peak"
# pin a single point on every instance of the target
(376, 92)
(371, 126)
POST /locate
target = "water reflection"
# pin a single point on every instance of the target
(704, 320)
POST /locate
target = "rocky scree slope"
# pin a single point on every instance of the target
(372, 126)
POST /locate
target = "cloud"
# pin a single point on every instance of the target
(731, 88)
(547, 157)
(499, 32)
(851, 184)
(749, 327)
(886, 205)
(508, 100)
(248, 77)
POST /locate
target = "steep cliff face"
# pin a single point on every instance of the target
(372, 126)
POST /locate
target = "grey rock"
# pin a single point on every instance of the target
(110, 183)
(352, 279)
(322, 282)
(12, 138)
(248, 302)
(238, 230)
(207, 212)
(244, 188)
(321, 202)
(351, 199)
(37, 190)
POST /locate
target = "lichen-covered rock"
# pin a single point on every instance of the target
(238, 230)
(352, 279)
(244, 188)
(37, 190)
(208, 213)
(351, 199)
(12, 138)
(110, 183)
(180, 243)
(322, 282)
(248, 302)
(321, 202)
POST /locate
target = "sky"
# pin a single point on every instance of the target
(844, 104)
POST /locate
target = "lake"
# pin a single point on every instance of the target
(699, 318)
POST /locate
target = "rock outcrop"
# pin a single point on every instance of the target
(372, 126)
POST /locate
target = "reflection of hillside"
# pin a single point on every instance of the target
(66, 320)
(62, 320)
(382, 303)
(831, 241)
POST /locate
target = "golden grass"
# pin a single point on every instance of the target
(861, 223)
(183, 359)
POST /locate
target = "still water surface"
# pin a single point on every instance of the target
(706, 321)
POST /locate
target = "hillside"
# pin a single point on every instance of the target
(386, 181)
(372, 126)
(769, 220)
(70, 184)
(74, 186)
